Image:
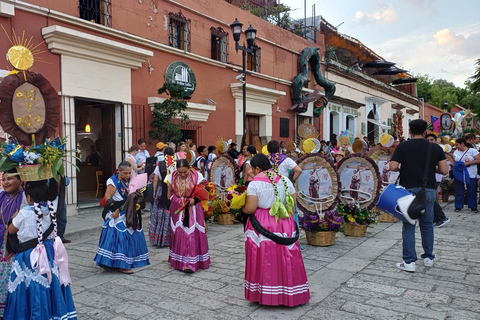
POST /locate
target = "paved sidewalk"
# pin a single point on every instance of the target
(354, 279)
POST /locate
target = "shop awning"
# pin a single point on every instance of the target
(375, 122)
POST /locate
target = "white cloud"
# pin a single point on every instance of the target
(466, 46)
(420, 53)
(384, 14)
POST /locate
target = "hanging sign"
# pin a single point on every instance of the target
(180, 73)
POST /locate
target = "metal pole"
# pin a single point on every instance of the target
(244, 139)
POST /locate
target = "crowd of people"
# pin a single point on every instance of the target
(177, 220)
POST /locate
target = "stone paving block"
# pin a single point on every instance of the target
(361, 292)
(382, 280)
(458, 293)
(337, 299)
(446, 273)
(329, 277)
(277, 313)
(320, 313)
(131, 310)
(372, 311)
(407, 308)
(402, 299)
(426, 296)
(236, 281)
(466, 304)
(178, 306)
(209, 314)
(86, 312)
(390, 272)
(317, 294)
(349, 264)
(375, 287)
(474, 278)
(208, 303)
(475, 270)
(455, 313)
(232, 291)
(414, 285)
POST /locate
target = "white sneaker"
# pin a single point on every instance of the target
(427, 262)
(409, 267)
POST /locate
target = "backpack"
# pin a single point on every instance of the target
(208, 163)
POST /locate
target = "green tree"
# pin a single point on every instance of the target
(424, 83)
(163, 113)
(475, 86)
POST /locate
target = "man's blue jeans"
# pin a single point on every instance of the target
(426, 229)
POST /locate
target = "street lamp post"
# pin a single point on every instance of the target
(250, 34)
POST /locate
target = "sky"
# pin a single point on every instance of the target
(436, 37)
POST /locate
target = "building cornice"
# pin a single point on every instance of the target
(370, 82)
(256, 93)
(144, 42)
(195, 111)
(70, 42)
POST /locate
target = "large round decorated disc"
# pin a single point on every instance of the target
(318, 184)
(224, 172)
(359, 180)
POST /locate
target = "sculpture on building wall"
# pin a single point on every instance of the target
(300, 101)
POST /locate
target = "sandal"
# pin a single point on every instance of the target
(125, 271)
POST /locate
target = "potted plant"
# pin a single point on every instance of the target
(356, 220)
(320, 229)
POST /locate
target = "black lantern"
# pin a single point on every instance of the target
(236, 29)
(250, 34)
(445, 105)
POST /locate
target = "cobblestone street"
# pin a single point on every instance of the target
(354, 279)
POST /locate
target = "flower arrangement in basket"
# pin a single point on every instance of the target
(330, 221)
(236, 197)
(356, 220)
(36, 162)
(321, 229)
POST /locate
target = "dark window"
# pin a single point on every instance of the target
(179, 35)
(284, 127)
(219, 44)
(253, 60)
(98, 11)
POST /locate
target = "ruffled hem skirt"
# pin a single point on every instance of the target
(188, 245)
(32, 296)
(121, 247)
(274, 274)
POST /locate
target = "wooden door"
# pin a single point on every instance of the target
(253, 133)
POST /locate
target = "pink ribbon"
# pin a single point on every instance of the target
(39, 261)
(61, 260)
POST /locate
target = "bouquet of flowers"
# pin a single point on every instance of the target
(236, 197)
(354, 215)
(207, 204)
(219, 207)
(331, 221)
(47, 159)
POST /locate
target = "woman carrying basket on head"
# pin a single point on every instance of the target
(39, 286)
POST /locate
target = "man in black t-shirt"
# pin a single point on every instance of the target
(412, 155)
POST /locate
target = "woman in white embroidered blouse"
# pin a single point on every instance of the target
(274, 270)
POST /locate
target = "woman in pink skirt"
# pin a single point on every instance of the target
(188, 240)
(274, 271)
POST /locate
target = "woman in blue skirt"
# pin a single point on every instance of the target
(39, 286)
(121, 245)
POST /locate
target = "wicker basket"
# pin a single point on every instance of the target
(225, 219)
(385, 217)
(206, 225)
(30, 173)
(354, 230)
(321, 238)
